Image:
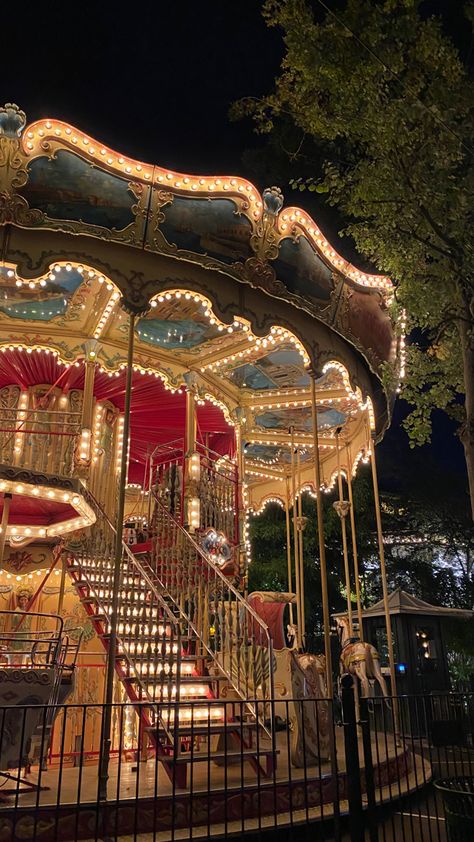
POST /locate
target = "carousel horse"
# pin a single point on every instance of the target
(359, 659)
(310, 742)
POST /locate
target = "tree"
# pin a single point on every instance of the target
(382, 106)
(429, 546)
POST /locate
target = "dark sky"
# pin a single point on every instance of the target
(155, 81)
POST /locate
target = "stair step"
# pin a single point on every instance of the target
(246, 754)
(183, 679)
(184, 728)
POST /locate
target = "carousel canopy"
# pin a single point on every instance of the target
(234, 296)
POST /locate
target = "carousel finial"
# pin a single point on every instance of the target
(272, 200)
(12, 120)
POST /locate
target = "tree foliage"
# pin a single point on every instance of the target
(380, 105)
(429, 549)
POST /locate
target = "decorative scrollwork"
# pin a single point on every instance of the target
(14, 208)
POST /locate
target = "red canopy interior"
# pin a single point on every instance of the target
(157, 415)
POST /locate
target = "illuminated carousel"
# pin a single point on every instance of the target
(176, 351)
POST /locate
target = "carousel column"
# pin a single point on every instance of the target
(341, 506)
(301, 525)
(321, 544)
(383, 573)
(288, 545)
(7, 499)
(83, 453)
(117, 577)
(295, 541)
(324, 597)
(354, 546)
(240, 501)
(192, 462)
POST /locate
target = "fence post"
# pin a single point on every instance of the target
(369, 769)
(351, 746)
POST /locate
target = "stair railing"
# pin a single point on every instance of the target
(230, 632)
(148, 633)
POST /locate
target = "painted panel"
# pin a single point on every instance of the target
(302, 270)
(42, 303)
(300, 419)
(282, 368)
(66, 187)
(271, 454)
(204, 226)
(369, 322)
(179, 333)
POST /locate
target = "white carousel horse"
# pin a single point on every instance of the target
(360, 659)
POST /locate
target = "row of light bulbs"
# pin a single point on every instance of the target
(59, 130)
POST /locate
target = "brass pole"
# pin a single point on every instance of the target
(342, 518)
(112, 650)
(189, 448)
(7, 499)
(325, 600)
(295, 538)
(62, 583)
(322, 548)
(300, 546)
(88, 394)
(354, 546)
(288, 545)
(383, 572)
(239, 501)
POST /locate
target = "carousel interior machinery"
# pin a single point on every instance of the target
(175, 352)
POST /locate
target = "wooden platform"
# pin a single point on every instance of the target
(142, 799)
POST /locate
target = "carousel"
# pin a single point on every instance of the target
(176, 351)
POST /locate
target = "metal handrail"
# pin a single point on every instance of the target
(132, 567)
(244, 650)
(31, 639)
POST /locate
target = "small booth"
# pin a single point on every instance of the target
(418, 640)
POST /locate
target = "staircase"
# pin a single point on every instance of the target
(172, 670)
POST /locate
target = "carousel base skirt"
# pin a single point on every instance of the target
(218, 800)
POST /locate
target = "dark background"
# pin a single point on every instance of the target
(155, 81)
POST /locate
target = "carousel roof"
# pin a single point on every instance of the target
(231, 292)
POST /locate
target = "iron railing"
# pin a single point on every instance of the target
(378, 787)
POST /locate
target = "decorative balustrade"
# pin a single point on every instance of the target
(218, 493)
(42, 440)
(209, 479)
(230, 632)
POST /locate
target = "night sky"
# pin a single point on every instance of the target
(155, 81)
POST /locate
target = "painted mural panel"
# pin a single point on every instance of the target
(282, 368)
(66, 187)
(205, 226)
(48, 299)
(369, 321)
(300, 418)
(302, 270)
(270, 454)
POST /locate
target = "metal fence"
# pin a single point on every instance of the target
(360, 771)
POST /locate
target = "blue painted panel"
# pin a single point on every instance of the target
(66, 187)
(41, 303)
(175, 333)
(300, 419)
(302, 270)
(207, 226)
